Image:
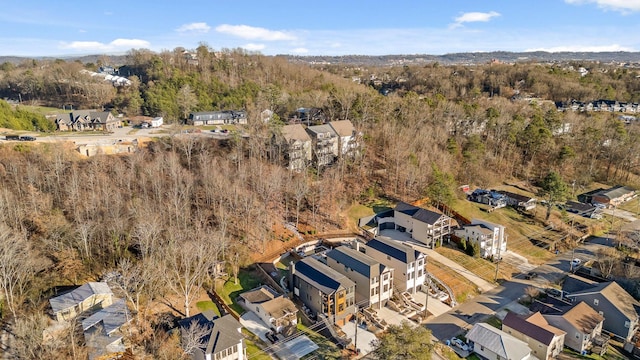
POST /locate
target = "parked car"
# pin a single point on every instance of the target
(531, 275)
(460, 344)
(27, 138)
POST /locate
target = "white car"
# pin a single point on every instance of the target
(576, 262)
(459, 343)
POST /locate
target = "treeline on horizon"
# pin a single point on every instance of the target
(183, 201)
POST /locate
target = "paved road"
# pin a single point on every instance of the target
(462, 317)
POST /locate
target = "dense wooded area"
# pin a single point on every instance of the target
(165, 216)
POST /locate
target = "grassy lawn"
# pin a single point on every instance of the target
(518, 227)
(495, 322)
(207, 305)
(374, 206)
(446, 352)
(462, 288)
(480, 267)
(44, 110)
(247, 280)
(254, 344)
(327, 349)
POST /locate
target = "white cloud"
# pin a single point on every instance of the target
(474, 17)
(624, 6)
(254, 47)
(254, 33)
(300, 50)
(82, 31)
(196, 27)
(588, 48)
(115, 45)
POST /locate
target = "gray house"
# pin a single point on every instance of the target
(619, 309)
(374, 280)
(223, 339)
(582, 324)
(325, 141)
(323, 290)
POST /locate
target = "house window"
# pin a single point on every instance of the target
(577, 335)
(386, 277)
(386, 287)
(627, 324)
(596, 302)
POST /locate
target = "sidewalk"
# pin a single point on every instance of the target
(482, 284)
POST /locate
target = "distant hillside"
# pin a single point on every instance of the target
(474, 58)
(454, 58)
(633, 58)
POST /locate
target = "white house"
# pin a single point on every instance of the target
(426, 226)
(490, 237)
(493, 344)
(408, 263)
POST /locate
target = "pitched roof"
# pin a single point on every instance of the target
(616, 192)
(110, 318)
(551, 306)
(539, 320)
(356, 260)
(498, 342)
(259, 295)
(479, 228)
(294, 132)
(531, 329)
(279, 307)
(515, 196)
(322, 129)
(616, 295)
(397, 250)
(405, 208)
(320, 275)
(583, 317)
(576, 284)
(225, 331)
(427, 216)
(73, 298)
(342, 127)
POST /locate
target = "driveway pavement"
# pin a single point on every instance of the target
(365, 337)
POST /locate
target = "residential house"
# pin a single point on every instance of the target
(88, 296)
(84, 120)
(582, 209)
(308, 116)
(373, 279)
(610, 198)
(408, 263)
(544, 340)
(426, 226)
(494, 344)
(491, 238)
(324, 144)
(619, 309)
(275, 310)
(102, 329)
(295, 144)
(488, 197)
(582, 324)
(223, 339)
(347, 138)
(323, 290)
(518, 201)
(217, 117)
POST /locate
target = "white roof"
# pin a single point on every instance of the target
(499, 342)
(110, 318)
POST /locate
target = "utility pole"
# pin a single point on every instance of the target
(355, 338)
(499, 258)
(426, 302)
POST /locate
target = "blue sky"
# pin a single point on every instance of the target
(327, 27)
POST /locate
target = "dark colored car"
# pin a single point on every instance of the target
(27, 138)
(531, 275)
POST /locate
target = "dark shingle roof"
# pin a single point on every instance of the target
(574, 283)
(405, 208)
(224, 331)
(521, 325)
(515, 196)
(320, 275)
(354, 259)
(396, 250)
(427, 216)
(616, 192)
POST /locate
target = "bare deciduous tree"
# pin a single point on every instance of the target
(17, 266)
(193, 336)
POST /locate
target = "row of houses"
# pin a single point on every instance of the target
(584, 318)
(500, 198)
(598, 105)
(318, 145)
(361, 277)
